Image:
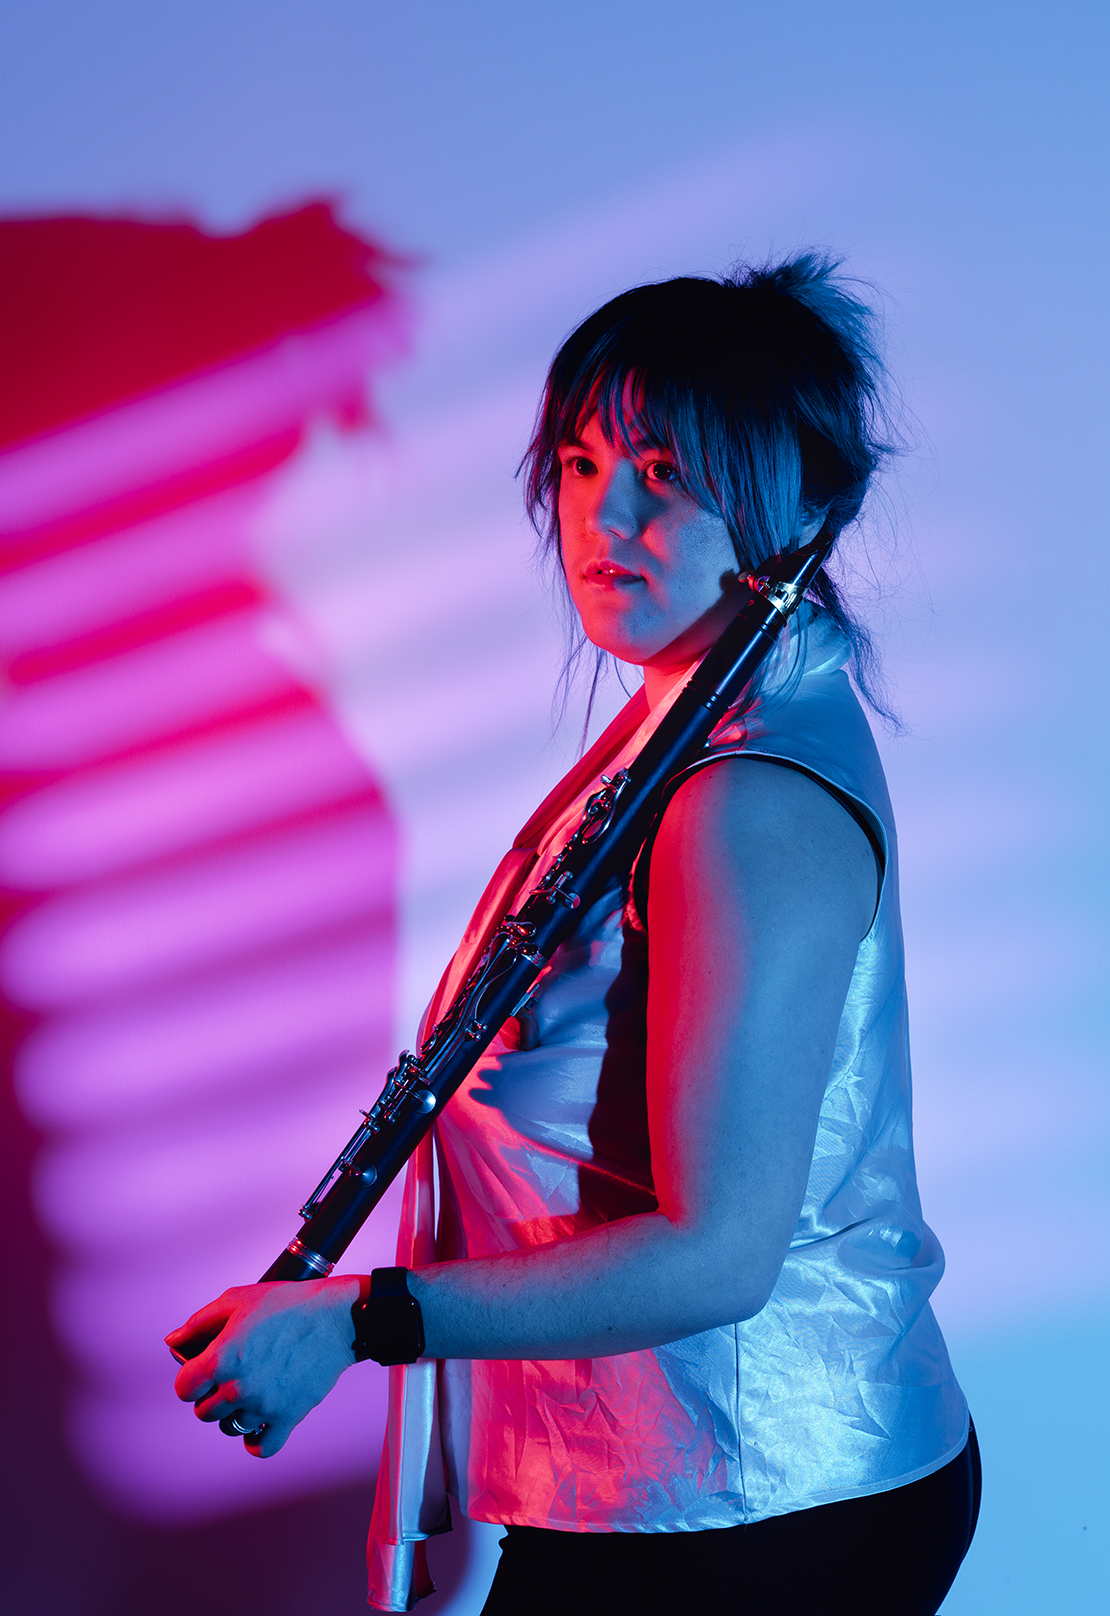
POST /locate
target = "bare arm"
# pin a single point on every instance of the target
(761, 889)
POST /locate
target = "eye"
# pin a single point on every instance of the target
(578, 465)
(661, 471)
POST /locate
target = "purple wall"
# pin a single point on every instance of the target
(955, 157)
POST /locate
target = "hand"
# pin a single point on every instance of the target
(268, 1353)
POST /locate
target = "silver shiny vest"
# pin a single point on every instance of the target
(841, 1386)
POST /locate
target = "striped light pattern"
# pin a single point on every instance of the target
(200, 877)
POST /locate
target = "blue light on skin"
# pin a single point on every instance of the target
(651, 572)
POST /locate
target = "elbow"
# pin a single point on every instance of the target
(743, 1301)
(739, 1287)
(718, 1275)
(761, 1275)
(723, 1298)
(752, 1302)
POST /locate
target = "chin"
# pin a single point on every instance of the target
(616, 647)
(607, 636)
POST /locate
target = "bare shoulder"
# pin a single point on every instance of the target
(765, 830)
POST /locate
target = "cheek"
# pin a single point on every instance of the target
(570, 525)
(702, 560)
(719, 556)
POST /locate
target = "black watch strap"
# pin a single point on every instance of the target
(388, 1324)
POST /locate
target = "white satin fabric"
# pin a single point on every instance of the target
(840, 1387)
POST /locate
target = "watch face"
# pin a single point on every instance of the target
(392, 1330)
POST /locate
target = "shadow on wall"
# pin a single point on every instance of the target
(197, 901)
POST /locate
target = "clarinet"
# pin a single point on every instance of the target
(614, 825)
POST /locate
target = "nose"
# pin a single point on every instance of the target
(623, 506)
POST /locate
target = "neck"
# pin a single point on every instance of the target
(659, 682)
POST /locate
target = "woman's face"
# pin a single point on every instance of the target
(652, 573)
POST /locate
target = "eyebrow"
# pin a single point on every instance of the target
(637, 445)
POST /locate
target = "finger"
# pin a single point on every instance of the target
(201, 1327)
(196, 1379)
(271, 1441)
(202, 1393)
(222, 1410)
(218, 1402)
(203, 1369)
(185, 1343)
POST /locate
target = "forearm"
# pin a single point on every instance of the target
(627, 1285)
(761, 889)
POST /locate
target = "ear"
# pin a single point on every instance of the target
(814, 521)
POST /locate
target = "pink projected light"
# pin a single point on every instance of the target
(201, 870)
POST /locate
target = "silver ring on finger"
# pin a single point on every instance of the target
(233, 1426)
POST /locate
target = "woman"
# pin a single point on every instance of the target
(679, 1288)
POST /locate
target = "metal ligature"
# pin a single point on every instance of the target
(613, 827)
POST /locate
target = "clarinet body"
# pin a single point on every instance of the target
(614, 825)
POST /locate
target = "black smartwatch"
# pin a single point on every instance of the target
(388, 1324)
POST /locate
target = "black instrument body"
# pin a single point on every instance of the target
(613, 828)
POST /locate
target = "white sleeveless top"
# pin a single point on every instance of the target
(841, 1386)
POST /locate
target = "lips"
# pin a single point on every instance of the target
(608, 572)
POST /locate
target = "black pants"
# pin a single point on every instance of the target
(892, 1554)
